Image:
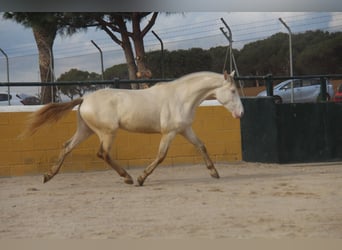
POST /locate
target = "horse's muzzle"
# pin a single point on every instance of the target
(237, 115)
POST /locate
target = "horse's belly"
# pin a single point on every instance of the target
(140, 129)
(139, 123)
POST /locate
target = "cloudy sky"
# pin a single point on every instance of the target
(178, 31)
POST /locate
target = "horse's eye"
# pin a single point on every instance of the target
(233, 91)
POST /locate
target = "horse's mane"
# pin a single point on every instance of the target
(199, 74)
(190, 76)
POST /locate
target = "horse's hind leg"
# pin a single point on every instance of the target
(82, 133)
(190, 135)
(103, 153)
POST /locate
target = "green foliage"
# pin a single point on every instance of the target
(264, 56)
(56, 21)
(116, 71)
(324, 56)
(77, 75)
(218, 58)
(179, 62)
(314, 52)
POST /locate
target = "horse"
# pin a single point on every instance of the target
(165, 108)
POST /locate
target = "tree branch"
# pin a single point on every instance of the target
(122, 24)
(114, 37)
(104, 25)
(150, 24)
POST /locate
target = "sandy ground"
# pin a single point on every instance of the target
(249, 201)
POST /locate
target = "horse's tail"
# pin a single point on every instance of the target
(50, 113)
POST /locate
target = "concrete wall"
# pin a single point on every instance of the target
(35, 155)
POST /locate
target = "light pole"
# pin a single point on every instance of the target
(290, 48)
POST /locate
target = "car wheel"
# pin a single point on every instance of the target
(277, 99)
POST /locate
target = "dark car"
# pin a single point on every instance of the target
(18, 99)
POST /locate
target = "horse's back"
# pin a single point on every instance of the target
(133, 110)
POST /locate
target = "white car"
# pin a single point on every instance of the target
(304, 90)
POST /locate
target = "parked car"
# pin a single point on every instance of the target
(304, 90)
(29, 99)
(338, 95)
(18, 99)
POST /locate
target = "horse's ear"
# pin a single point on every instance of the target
(225, 73)
(232, 74)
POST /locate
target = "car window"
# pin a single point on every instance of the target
(307, 82)
(286, 86)
(315, 81)
(296, 84)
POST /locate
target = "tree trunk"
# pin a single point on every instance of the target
(128, 50)
(44, 39)
(136, 66)
(138, 39)
(143, 71)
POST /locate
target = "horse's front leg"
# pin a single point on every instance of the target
(163, 147)
(190, 135)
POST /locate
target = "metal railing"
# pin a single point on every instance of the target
(269, 79)
(116, 82)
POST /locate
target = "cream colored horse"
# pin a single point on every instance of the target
(167, 108)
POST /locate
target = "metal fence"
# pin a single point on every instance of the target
(125, 83)
(269, 81)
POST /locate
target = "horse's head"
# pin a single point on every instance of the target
(228, 96)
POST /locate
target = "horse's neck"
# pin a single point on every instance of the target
(196, 91)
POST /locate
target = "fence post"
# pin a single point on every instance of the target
(7, 70)
(269, 85)
(116, 82)
(323, 94)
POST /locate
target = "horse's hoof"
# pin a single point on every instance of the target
(140, 180)
(128, 180)
(214, 173)
(46, 178)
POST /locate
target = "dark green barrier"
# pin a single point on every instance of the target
(286, 133)
(259, 135)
